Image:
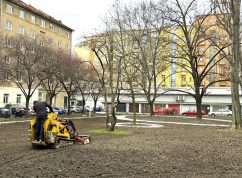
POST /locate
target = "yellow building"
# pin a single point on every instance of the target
(204, 53)
(19, 18)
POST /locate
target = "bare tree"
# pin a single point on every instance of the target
(103, 46)
(187, 35)
(228, 19)
(144, 25)
(84, 89)
(24, 68)
(95, 93)
(49, 69)
(124, 51)
(67, 74)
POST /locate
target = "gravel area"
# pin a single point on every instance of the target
(174, 150)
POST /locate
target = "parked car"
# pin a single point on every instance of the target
(59, 111)
(191, 113)
(98, 108)
(75, 109)
(15, 107)
(88, 108)
(162, 111)
(159, 111)
(221, 112)
(5, 112)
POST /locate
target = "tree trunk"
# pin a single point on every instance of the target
(151, 109)
(199, 106)
(27, 105)
(113, 112)
(83, 104)
(68, 105)
(236, 117)
(51, 99)
(113, 120)
(95, 105)
(107, 108)
(134, 106)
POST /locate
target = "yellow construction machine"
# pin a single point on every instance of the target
(57, 133)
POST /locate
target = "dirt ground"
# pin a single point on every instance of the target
(168, 151)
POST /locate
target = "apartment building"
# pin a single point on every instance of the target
(219, 37)
(175, 76)
(19, 18)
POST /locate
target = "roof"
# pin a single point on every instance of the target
(39, 12)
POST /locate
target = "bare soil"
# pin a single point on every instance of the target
(169, 151)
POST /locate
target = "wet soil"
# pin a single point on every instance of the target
(169, 151)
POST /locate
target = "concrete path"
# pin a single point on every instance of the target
(155, 124)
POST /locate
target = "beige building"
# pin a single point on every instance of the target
(19, 18)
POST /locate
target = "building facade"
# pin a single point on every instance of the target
(19, 18)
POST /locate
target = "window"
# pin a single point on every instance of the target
(18, 99)
(42, 23)
(67, 35)
(163, 78)
(201, 58)
(51, 41)
(60, 31)
(6, 77)
(7, 59)
(42, 43)
(224, 69)
(19, 78)
(32, 48)
(201, 49)
(40, 96)
(201, 69)
(32, 34)
(21, 46)
(183, 69)
(21, 14)
(8, 42)
(21, 30)
(20, 62)
(183, 78)
(67, 47)
(32, 18)
(5, 98)
(52, 28)
(9, 25)
(59, 44)
(183, 60)
(9, 9)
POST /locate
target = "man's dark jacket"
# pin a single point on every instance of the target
(41, 110)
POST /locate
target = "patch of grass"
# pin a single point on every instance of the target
(4, 119)
(115, 132)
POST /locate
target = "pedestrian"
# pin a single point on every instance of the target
(40, 109)
(17, 112)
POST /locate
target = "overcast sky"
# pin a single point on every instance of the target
(84, 16)
(81, 15)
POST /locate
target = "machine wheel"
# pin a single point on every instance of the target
(229, 114)
(212, 114)
(55, 145)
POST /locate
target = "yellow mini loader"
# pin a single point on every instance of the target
(57, 133)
